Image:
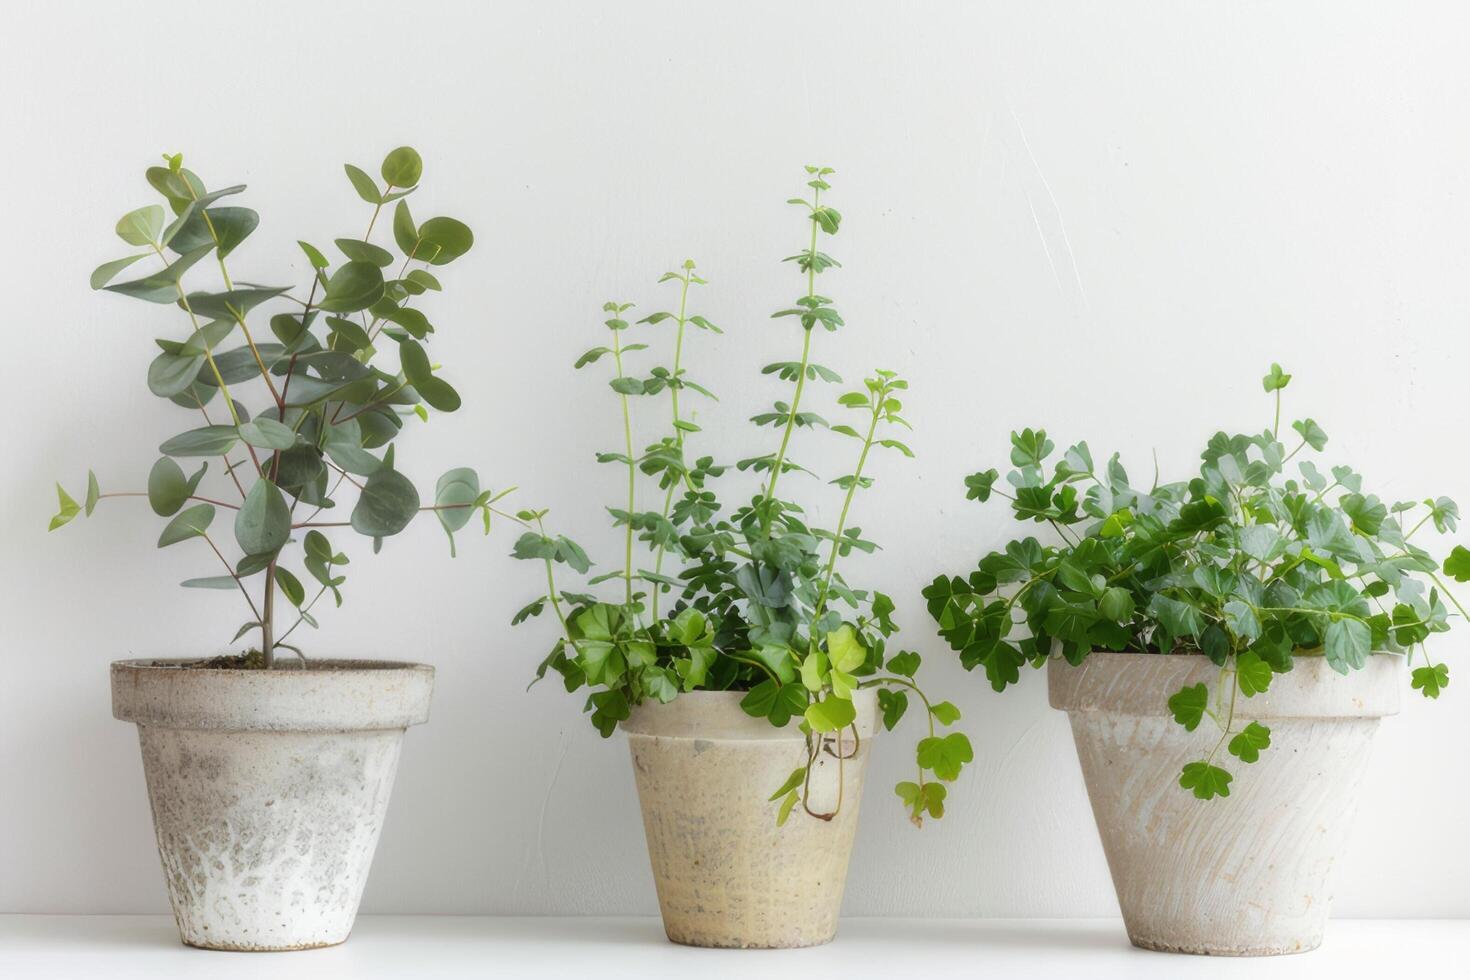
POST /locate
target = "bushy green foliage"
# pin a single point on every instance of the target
(745, 599)
(1259, 559)
(330, 404)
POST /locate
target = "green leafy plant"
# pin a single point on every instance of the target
(749, 599)
(329, 402)
(1244, 563)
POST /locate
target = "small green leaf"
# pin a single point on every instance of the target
(263, 522)
(1205, 780)
(141, 227)
(354, 286)
(387, 502)
(67, 508)
(366, 187)
(787, 804)
(265, 433)
(1188, 705)
(1347, 644)
(1431, 680)
(1457, 565)
(945, 713)
(831, 714)
(189, 523)
(1250, 742)
(93, 493)
(945, 755)
(442, 240)
(794, 780)
(211, 440)
(402, 167)
(1275, 379)
(1252, 673)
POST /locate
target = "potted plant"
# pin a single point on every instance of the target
(269, 773)
(727, 643)
(1259, 614)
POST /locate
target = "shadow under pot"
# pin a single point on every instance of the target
(1250, 874)
(726, 874)
(269, 789)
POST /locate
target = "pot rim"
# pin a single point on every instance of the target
(718, 715)
(1140, 684)
(313, 667)
(363, 695)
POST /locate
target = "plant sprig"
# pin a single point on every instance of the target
(329, 402)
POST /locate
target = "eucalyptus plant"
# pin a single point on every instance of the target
(1253, 563)
(747, 599)
(332, 409)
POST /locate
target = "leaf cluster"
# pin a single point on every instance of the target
(1259, 559)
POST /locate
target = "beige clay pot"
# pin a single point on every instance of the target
(726, 875)
(269, 789)
(1245, 875)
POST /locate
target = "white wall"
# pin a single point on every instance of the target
(1101, 218)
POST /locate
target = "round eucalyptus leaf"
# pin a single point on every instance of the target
(387, 503)
(196, 395)
(417, 370)
(189, 523)
(266, 433)
(359, 251)
(354, 286)
(141, 227)
(232, 226)
(456, 491)
(442, 240)
(298, 467)
(379, 427)
(167, 488)
(403, 167)
(210, 440)
(169, 374)
(263, 522)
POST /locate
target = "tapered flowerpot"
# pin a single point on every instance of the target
(268, 789)
(1245, 875)
(726, 875)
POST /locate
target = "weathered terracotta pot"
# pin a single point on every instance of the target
(726, 874)
(1245, 875)
(268, 790)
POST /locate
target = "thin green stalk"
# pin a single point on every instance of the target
(842, 517)
(658, 561)
(632, 476)
(806, 352)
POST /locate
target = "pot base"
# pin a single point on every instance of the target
(1156, 946)
(230, 948)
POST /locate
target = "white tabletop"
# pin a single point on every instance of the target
(421, 947)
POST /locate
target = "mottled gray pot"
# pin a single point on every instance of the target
(268, 790)
(1249, 874)
(726, 874)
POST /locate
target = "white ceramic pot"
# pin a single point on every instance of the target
(268, 789)
(726, 874)
(1245, 875)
